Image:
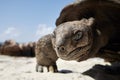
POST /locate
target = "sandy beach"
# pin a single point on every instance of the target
(22, 68)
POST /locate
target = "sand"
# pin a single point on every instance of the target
(21, 68)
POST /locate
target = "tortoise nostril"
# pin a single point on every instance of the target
(61, 49)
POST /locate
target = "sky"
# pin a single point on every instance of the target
(28, 20)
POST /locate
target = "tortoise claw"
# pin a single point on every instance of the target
(51, 68)
(39, 68)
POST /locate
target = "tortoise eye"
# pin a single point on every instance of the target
(77, 36)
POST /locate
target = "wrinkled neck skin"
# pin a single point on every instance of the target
(99, 41)
(101, 38)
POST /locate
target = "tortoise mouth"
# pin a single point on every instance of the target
(79, 54)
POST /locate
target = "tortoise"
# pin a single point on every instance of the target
(87, 29)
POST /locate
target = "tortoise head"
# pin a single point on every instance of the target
(73, 40)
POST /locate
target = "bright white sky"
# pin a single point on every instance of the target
(28, 20)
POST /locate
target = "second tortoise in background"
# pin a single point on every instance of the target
(12, 48)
